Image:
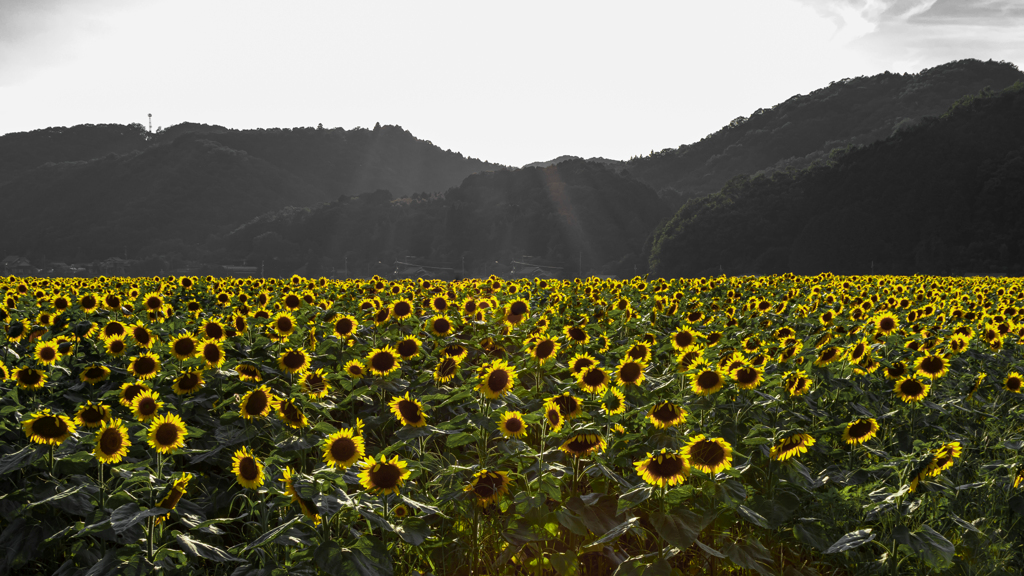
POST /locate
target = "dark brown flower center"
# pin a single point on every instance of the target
(746, 375)
(49, 427)
(343, 449)
(577, 334)
(497, 380)
(166, 434)
(141, 335)
(545, 348)
(291, 412)
(860, 429)
(911, 388)
(707, 453)
(91, 415)
(147, 406)
(669, 466)
(257, 402)
(386, 476)
(144, 365)
(283, 325)
(402, 309)
(637, 352)
(248, 469)
(294, 360)
(582, 444)
(442, 325)
(684, 339)
(447, 367)
(513, 425)
(665, 412)
(567, 404)
(213, 330)
(487, 485)
(708, 379)
(382, 361)
(407, 348)
(30, 377)
(292, 301)
(410, 411)
(630, 372)
(111, 441)
(932, 365)
(188, 381)
(886, 324)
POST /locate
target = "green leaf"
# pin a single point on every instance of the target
(810, 538)
(272, 533)
(708, 549)
(413, 530)
(751, 516)
(330, 558)
(680, 530)
(198, 549)
(130, 515)
(851, 540)
(18, 460)
(460, 439)
(615, 532)
(634, 497)
(426, 509)
(751, 555)
(933, 548)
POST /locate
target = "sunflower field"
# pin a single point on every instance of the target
(772, 425)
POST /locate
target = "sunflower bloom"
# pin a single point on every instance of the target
(488, 486)
(792, 446)
(382, 361)
(663, 468)
(498, 378)
(293, 360)
(911, 390)
(666, 415)
(343, 448)
(112, 442)
(290, 413)
(512, 425)
(247, 468)
(408, 411)
(167, 433)
(44, 427)
(173, 496)
(308, 507)
(383, 476)
(92, 415)
(709, 455)
(582, 444)
(613, 402)
(860, 431)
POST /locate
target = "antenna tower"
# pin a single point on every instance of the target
(150, 123)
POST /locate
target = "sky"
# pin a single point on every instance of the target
(507, 82)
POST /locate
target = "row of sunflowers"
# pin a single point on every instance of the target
(783, 424)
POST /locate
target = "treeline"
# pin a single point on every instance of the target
(806, 128)
(572, 214)
(942, 197)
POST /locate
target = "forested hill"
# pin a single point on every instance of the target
(808, 127)
(331, 161)
(944, 196)
(570, 214)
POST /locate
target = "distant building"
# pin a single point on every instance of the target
(16, 265)
(410, 270)
(528, 270)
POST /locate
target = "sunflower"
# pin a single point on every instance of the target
(1013, 382)
(293, 360)
(290, 413)
(307, 506)
(44, 427)
(247, 468)
(488, 486)
(188, 383)
(746, 377)
(858, 351)
(409, 411)
(283, 324)
(593, 379)
(212, 353)
(581, 363)
(708, 380)
(943, 458)
(797, 383)
(383, 476)
(409, 347)
(664, 468)
(173, 496)
(709, 455)
(129, 390)
(685, 339)
(355, 369)
(184, 347)
(146, 404)
(497, 379)
(315, 384)
(47, 353)
(885, 323)
(569, 405)
(666, 414)
(88, 302)
(629, 372)
(512, 425)
(345, 326)
(860, 431)
(792, 446)
(115, 345)
(402, 309)
(910, 390)
(400, 511)
(112, 442)
(613, 402)
(248, 371)
(545, 349)
(440, 326)
(382, 361)
(932, 367)
(144, 366)
(447, 369)
(576, 334)
(553, 417)
(94, 374)
(343, 448)
(142, 336)
(457, 351)
(582, 444)
(167, 433)
(828, 355)
(30, 378)
(92, 415)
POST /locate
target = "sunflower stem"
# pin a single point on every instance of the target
(101, 486)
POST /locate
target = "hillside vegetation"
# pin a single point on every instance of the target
(944, 196)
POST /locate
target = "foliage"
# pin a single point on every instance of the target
(934, 487)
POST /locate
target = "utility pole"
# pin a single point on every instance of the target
(150, 124)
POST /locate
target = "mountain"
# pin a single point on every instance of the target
(91, 192)
(575, 213)
(942, 196)
(806, 128)
(616, 164)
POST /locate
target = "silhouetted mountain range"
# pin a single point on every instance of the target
(314, 198)
(943, 196)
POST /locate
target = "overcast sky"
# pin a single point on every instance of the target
(510, 82)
